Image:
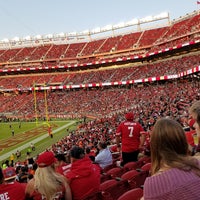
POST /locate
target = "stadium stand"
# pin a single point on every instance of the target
(153, 71)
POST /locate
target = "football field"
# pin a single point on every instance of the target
(19, 136)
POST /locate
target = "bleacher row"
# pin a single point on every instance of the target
(123, 183)
(178, 32)
(170, 66)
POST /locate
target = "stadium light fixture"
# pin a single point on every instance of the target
(49, 36)
(6, 40)
(85, 32)
(16, 39)
(146, 19)
(161, 15)
(72, 34)
(38, 37)
(28, 37)
(96, 30)
(61, 34)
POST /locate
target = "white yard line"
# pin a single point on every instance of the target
(7, 155)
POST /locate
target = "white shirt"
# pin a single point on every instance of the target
(104, 158)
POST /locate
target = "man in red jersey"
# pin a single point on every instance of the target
(132, 137)
(9, 188)
(84, 176)
(61, 165)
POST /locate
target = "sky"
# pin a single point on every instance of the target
(20, 18)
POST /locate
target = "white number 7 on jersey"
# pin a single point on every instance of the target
(130, 128)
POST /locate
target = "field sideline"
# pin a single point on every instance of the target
(26, 133)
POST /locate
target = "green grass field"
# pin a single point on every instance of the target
(22, 137)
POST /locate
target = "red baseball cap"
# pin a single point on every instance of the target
(129, 116)
(46, 159)
(9, 173)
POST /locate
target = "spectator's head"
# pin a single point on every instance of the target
(9, 174)
(61, 157)
(168, 144)
(34, 166)
(102, 145)
(129, 116)
(46, 159)
(77, 153)
(18, 168)
(24, 169)
(87, 150)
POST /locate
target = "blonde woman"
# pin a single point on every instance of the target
(175, 174)
(47, 184)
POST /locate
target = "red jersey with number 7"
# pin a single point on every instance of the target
(130, 135)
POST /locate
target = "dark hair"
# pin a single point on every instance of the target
(169, 146)
(77, 152)
(34, 166)
(24, 169)
(30, 176)
(92, 158)
(87, 150)
(61, 157)
(103, 145)
(18, 169)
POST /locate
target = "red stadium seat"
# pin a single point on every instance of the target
(111, 172)
(115, 172)
(147, 168)
(131, 165)
(144, 160)
(112, 189)
(104, 177)
(107, 184)
(129, 176)
(134, 194)
(134, 178)
(109, 167)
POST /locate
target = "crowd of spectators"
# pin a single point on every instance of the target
(101, 101)
(148, 101)
(170, 66)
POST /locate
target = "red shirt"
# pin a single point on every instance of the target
(12, 191)
(189, 136)
(130, 134)
(63, 168)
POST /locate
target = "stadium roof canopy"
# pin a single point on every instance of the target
(84, 35)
